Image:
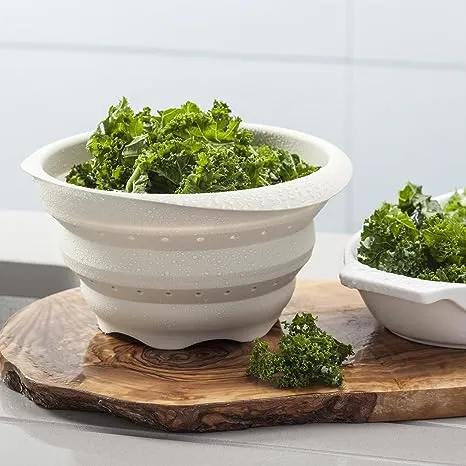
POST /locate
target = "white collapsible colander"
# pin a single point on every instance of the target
(176, 269)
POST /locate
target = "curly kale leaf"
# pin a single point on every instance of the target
(456, 206)
(450, 273)
(263, 363)
(268, 166)
(162, 168)
(390, 242)
(115, 145)
(445, 240)
(218, 170)
(181, 150)
(416, 204)
(216, 126)
(416, 239)
(305, 356)
(82, 175)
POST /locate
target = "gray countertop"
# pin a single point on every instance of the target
(31, 435)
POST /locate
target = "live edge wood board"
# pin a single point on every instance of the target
(53, 352)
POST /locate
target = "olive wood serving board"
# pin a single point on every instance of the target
(53, 353)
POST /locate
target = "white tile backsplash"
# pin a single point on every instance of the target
(346, 70)
(294, 27)
(410, 30)
(58, 94)
(407, 125)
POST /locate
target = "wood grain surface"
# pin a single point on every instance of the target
(53, 353)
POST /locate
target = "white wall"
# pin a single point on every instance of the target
(384, 80)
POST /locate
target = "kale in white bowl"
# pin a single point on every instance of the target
(418, 237)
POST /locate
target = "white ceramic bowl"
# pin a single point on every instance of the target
(433, 313)
(175, 269)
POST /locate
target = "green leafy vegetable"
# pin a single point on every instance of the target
(306, 355)
(449, 273)
(417, 205)
(181, 150)
(391, 240)
(456, 206)
(417, 237)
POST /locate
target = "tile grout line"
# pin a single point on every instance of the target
(212, 54)
(349, 106)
